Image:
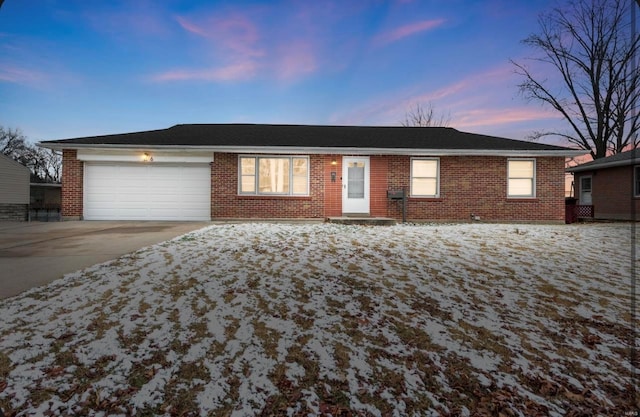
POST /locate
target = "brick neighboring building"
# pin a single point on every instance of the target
(224, 171)
(611, 185)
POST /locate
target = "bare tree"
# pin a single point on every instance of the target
(424, 117)
(12, 143)
(589, 48)
(45, 164)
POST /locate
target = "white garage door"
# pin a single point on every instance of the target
(121, 191)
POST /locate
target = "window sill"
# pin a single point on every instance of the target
(273, 197)
(522, 199)
(434, 199)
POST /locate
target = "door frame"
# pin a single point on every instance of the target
(582, 193)
(349, 206)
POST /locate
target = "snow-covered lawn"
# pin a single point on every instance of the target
(321, 319)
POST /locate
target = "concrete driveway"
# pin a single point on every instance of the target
(35, 253)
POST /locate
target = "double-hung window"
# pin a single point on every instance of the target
(273, 175)
(521, 181)
(425, 177)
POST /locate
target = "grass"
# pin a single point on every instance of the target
(331, 320)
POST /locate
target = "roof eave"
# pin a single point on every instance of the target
(337, 150)
(585, 167)
(59, 146)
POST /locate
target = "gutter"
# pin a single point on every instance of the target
(584, 167)
(317, 150)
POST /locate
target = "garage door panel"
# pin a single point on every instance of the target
(166, 199)
(169, 215)
(134, 170)
(165, 187)
(98, 182)
(166, 184)
(132, 182)
(120, 191)
(101, 199)
(195, 201)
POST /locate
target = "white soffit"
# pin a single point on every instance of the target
(142, 155)
(174, 153)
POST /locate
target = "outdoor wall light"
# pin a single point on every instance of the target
(146, 157)
(334, 162)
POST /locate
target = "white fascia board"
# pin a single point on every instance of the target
(304, 150)
(138, 155)
(121, 147)
(393, 151)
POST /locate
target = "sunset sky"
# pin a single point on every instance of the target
(77, 68)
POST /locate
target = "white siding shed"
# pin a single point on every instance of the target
(14, 190)
(14, 182)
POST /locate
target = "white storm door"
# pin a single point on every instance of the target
(355, 185)
(585, 190)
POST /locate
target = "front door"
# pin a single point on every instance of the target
(355, 185)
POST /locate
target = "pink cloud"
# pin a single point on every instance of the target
(235, 40)
(234, 33)
(295, 59)
(391, 110)
(439, 94)
(190, 27)
(19, 75)
(233, 72)
(476, 102)
(500, 116)
(234, 43)
(406, 30)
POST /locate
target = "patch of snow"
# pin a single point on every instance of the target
(497, 302)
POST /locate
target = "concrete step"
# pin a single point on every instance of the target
(368, 221)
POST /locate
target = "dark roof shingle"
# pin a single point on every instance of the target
(314, 136)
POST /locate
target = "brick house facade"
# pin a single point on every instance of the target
(72, 175)
(113, 177)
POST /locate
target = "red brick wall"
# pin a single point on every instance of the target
(379, 184)
(332, 190)
(468, 184)
(226, 203)
(611, 192)
(72, 174)
(478, 185)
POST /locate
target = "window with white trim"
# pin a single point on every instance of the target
(425, 177)
(521, 178)
(273, 175)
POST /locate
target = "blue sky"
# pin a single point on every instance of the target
(77, 68)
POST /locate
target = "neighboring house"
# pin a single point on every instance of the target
(221, 171)
(14, 190)
(611, 185)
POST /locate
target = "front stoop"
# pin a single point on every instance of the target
(367, 221)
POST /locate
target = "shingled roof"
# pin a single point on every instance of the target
(216, 136)
(631, 157)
